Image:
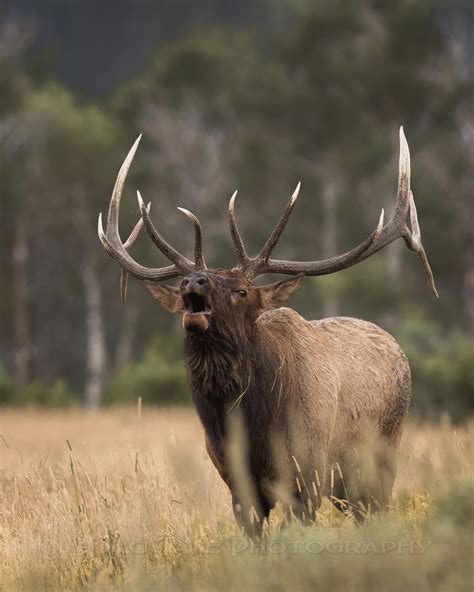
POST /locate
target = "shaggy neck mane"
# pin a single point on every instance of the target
(219, 362)
(239, 372)
(244, 368)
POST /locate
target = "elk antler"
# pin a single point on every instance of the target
(198, 254)
(395, 228)
(127, 245)
(115, 248)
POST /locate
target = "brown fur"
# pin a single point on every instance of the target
(311, 394)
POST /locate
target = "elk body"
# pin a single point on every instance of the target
(321, 404)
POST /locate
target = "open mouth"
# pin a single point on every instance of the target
(197, 313)
(196, 304)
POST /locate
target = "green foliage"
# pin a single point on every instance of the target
(79, 137)
(6, 386)
(217, 68)
(360, 291)
(38, 393)
(158, 378)
(450, 528)
(35, 393)
(455, 509)
(442, 369)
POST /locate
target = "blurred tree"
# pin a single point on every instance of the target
(14, 85)
(62, 149)
(198, 101)
(78, 144)
(458, 23)
(358, 71)
(187, 161)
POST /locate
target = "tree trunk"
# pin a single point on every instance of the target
(94, 377)
(466, 188)
(331, 304)
(21, 314)
(459, 28)
(467, 229)
(95, 336)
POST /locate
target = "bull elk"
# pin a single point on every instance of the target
(309, 393)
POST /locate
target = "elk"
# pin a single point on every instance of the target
(309, 394)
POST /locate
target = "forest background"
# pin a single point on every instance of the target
(254, 96)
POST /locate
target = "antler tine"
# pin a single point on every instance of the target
(323, 267)
(395, 228)
(234, 232)
(127, 245)
(198, 253)
(273, 239)
(114, 206)
(136, 230)
(404, 176)
(117, 252)
(167, 250)
(413, 242)
(111, 240)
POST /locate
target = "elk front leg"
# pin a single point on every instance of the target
(249, 518)
(305, 502)
(217, 461)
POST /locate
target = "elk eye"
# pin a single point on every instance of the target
(242, 293)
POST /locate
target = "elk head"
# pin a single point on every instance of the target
(221, 299)
(211, 298)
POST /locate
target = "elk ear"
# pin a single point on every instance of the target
(169, 297)
(278, 294)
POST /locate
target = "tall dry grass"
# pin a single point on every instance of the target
(111, 501)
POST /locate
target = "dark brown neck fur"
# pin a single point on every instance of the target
(217, 363)
(230, 371)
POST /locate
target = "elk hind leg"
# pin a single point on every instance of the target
(372, 482)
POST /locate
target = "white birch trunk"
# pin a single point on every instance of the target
(95, 337)
(329, 242)
(21, 315)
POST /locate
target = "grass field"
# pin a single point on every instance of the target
(111, 501)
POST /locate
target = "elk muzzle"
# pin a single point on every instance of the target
(196, 300)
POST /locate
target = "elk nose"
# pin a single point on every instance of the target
(194, 283)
